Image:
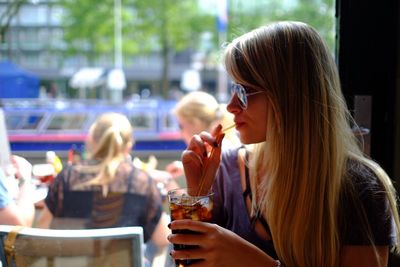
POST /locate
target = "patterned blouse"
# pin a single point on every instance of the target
(132, 200)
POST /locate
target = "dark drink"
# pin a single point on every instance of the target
(184, 206)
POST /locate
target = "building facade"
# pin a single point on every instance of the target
(34, 41)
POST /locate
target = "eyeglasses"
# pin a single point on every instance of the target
(241, 94)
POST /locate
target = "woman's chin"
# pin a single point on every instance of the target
(248, 139)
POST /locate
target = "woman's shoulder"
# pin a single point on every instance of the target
(230, 154)
(363, 178)
(365, 202)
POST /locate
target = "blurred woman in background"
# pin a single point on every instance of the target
(106, 190)
(199, 111)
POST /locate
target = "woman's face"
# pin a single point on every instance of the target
(189, 128)
(251, 123)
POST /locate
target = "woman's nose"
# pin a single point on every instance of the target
(233, 105)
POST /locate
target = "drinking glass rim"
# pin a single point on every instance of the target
(172, 191)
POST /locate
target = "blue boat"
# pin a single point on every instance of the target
(35, 126)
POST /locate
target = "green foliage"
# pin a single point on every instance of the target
(89, 26)
(318, 13)
(153, 25)
(174, 23)
(168, 26)
(147, 25)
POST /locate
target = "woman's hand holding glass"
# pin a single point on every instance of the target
(216, 246)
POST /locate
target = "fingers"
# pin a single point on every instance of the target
(211, 167)
(197, 226)
(20, 161)
(23, 168)
(195, 253)
(200, 167)
(209, 139)
(192, 168)
(200, 239)
(217, 130)
(186, 239)
(197, 144)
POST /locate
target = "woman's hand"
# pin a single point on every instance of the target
(25, 209)
(198, 163)
(175, 168)
(217, 246)
(22, 168)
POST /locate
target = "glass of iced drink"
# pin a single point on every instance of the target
(185, 206)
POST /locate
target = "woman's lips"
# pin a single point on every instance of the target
(239, 124)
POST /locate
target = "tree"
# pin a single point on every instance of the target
(173, 26)
(317, 13)
(168, 26)
(164, 26)
(11, 10)
(89, 28)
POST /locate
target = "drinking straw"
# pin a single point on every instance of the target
(218, 140)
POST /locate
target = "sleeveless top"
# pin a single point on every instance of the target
(230, 210)
(133, 199)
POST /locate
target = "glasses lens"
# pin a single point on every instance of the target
(240, 92)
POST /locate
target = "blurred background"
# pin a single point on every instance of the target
(64, 62)
(118, 49)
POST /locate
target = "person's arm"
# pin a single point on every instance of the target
(161, 231)
(157, 220)
(10, 216)
(24, 207)
(45, 218)
(53, 201)
(219, 245)
(175, 168)
(24, 204)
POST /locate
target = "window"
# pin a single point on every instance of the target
(33, 15)
(23, 121)
(67, 121)
(142, 121)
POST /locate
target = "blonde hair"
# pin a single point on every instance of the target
(203, 108)
(109, 139)
(300, 171)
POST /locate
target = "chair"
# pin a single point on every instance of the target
(122, 246)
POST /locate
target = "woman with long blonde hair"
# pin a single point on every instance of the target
(304, 194)
(106, 190)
